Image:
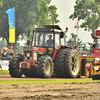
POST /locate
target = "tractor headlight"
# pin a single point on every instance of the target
(28, 54)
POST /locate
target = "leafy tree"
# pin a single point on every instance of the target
(72, 40)
(28, 14)
(89, 13)
(97, 1)
(50, 16)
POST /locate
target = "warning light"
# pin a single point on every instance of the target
(91, 33)
(66, 28)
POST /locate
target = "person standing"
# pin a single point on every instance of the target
(2, 54)
(85, 54)
(76, 47)
(11, 53)
(79, 52)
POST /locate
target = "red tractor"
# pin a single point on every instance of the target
(87, 62)
(47, 54)
(95, 67)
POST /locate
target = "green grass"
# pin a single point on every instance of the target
(4, 71)
(47, 81)
(43, 81)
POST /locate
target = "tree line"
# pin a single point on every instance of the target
(36, 13)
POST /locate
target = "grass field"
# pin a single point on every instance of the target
(47, 81)
(4, 71)
(43, 81)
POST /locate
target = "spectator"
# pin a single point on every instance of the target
(2, 54)
(8, 53)
(5, 53)
(85, 54)
(79, 52)
(76, 47)
(21, 53)
(11, 53)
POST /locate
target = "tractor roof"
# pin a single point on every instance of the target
(52, 26)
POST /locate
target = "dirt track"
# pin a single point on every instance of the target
(74, 91)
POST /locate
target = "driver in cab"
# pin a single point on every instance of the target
(49, 42)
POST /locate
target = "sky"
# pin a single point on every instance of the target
(64, 9)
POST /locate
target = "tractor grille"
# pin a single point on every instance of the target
(28, 55)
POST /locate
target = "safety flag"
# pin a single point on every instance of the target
(76, 23)
(11, 21)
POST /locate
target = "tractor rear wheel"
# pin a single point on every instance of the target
(95, 77)
(67, 63)
(14, 64)
(59, 62)
(72, 63)
(45, 67)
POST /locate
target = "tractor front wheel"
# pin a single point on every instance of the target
(45, 67)
(14, 64)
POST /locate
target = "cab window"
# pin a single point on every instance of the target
(98, 44)
(57, 37)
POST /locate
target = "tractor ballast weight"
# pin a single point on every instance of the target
(47, 54)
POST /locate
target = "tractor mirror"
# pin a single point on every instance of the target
(61, 35)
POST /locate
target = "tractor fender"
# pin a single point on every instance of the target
(56, 50)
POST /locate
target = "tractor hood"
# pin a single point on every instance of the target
(26, 48)
(39, 49)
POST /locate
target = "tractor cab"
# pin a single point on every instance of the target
(50, 36)
(48, 39)
(96, 45)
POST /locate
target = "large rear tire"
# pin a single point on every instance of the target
(14, 64)
(67, 63)
(59, 62)
(72, 63)
(45, 67)
(95, 77)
